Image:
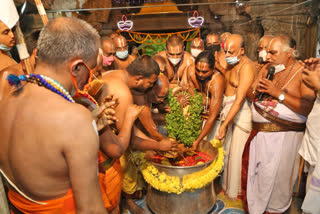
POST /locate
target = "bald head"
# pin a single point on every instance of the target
(225, 36)
(197, 43)
(161, 62)
(234, 47)
(174, 41)
(235, 41)
(262, 48)
(120, 42)
(264, 42)
(112, 35)
(160, 90)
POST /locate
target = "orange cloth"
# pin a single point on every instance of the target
(110, 184)
(63, 205)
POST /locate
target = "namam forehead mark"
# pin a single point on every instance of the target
(198, 43)
(172, 48)
(203, 66)
(274, 45)
(120, 42)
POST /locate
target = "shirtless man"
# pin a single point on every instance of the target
(49, 148)
(235, 114)
(107, 52)
(7, 41)
(177, 59)
(123, 58)
(19, 69)
(278, 127)
(136, 79)
(210, 82)
(162, 63)
(153, 99)
(213, 44)
(197, 46)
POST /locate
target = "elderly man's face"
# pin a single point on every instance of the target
(6, 35)
(120, 44)
(232, 49)
(108, 48)
(275, 54)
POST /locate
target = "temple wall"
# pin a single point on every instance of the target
(219, 18)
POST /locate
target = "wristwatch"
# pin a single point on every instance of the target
(281, 97)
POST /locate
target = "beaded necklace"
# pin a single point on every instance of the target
(48, 82)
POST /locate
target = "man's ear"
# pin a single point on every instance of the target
(75, 67)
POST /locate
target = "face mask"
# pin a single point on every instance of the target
(107, 60)
(213, 48)
(174, 61)
(279, 68)
(263, 55)
(233, 60)
(4, 47)
(122, 54)
(195, 52)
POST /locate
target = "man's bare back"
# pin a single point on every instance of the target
(39, 139)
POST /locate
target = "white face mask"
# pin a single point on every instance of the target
(279, 68)
(122, 54)
(263, 55)
(4, 47)
(174, 61)
(233, 59)
(195, 52)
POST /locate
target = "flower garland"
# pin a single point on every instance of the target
(173, 184)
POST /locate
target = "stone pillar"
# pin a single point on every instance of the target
(4, 209)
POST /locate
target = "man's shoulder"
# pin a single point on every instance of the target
(188, 58)
(6, 61)
(71, 113)
(248, 64)
(162, 53)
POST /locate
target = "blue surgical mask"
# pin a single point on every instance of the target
(4, 47)
(122, 54)
(233, 59)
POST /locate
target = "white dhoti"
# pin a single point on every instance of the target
(235, 140)
(273, 164)
(310, 151)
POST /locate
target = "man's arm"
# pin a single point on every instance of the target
(80, 150)
(145, 118)
(302, 105)
(216, 91)
(252, 92)
(246, 76)
(147, 122)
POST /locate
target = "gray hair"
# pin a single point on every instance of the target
(66, 38)
(289, 44)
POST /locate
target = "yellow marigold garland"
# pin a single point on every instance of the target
(172, 184)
